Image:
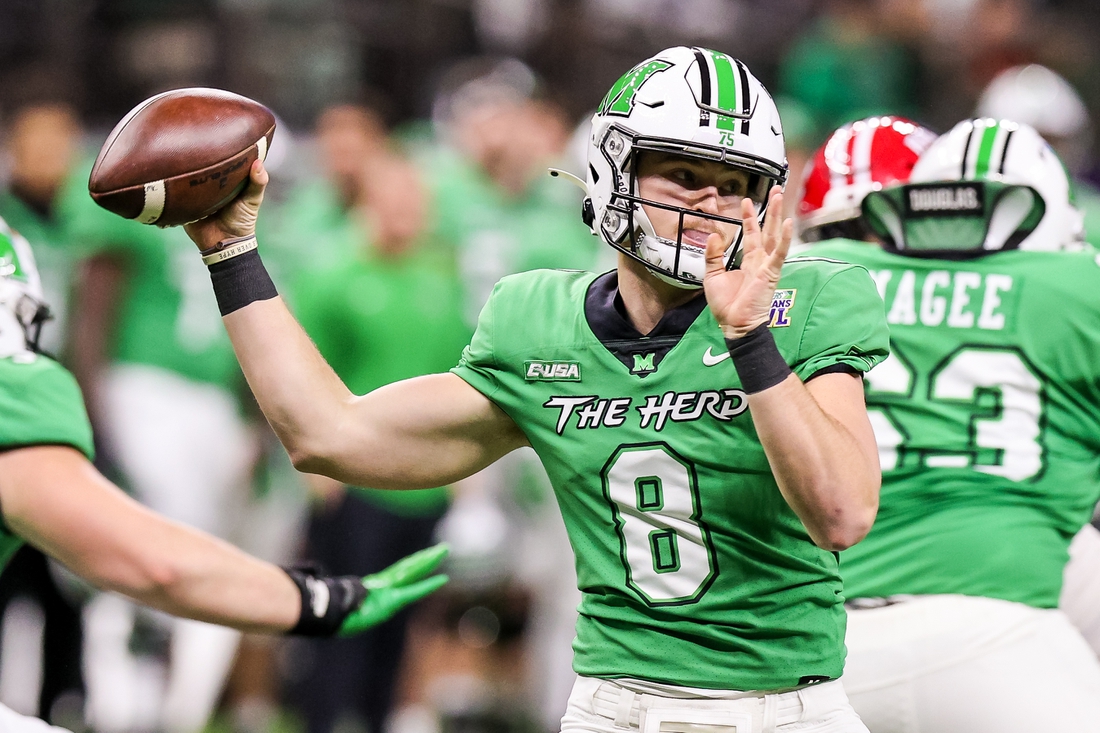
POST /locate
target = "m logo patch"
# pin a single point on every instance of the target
(620, 100)
(782, 302)
(643, 364)
(552, 371)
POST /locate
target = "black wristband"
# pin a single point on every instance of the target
(757, 360)
(326, 601)
(241, 280)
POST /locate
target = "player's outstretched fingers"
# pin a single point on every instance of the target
(773, 224)
(406, 570)
(381, 605)
(786, 234)
(748, 219)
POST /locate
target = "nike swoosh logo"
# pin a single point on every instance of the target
(710, 359)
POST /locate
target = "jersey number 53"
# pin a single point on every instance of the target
(1002, 406)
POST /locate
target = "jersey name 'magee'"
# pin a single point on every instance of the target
(593, 411)
(957, 299)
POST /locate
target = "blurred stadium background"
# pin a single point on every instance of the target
(409, 175)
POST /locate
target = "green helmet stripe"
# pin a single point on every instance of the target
(985, 150)
(10, 266)
(727, 89)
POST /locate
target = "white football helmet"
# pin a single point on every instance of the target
(1037, 96)
(691, 102)
(22, 310)
(1013, 153)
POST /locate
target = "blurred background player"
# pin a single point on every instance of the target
(986, 415)
(494, 133)
(494, 204)
(392, 310)
(54, 497)
(325, 201)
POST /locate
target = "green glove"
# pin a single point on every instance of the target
(388, 591)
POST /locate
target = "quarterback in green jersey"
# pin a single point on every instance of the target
(987, 416)
(52, 497)
(699, 410)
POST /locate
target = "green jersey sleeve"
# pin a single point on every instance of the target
(478, 364)
(41, 404)
(845, 325)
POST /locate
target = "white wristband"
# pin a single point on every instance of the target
(228, 249)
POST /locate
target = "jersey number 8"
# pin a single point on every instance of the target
(664, 545)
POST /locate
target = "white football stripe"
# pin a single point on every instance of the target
(261, 148)
(154, 203)
(837, 151)
(861, 155)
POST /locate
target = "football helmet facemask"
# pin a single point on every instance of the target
(692, 103)
(860, 157)
(22, 310)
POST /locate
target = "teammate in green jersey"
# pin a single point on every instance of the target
(53, 497)
(705, 496)
(987, 416)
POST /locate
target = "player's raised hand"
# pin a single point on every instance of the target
(388, 591)
(741, 299)
(237, 219)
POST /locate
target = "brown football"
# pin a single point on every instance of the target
(180, 156)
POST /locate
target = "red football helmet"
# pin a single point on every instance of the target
(858, 158)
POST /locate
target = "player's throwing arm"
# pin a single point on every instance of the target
(420, 433)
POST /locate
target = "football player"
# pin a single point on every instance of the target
(54, 498)
(699, 410)
(987, 415)
(860, 157)
(868, 155)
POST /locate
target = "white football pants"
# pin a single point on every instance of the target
(1080, 599)
(187, 455)
(962, 664)
(603, 706)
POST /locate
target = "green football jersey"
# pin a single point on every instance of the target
(987, 415)
(693, 568)
(40, 404)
